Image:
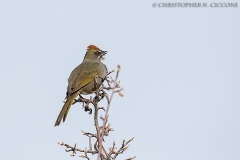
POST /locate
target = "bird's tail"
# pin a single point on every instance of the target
(65, 109)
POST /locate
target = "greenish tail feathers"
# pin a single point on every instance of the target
(65, 109)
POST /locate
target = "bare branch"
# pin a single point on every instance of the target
(106, 114)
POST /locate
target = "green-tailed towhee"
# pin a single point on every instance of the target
(81, 80)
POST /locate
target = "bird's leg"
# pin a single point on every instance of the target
(80, 99)
(86, 106)
(85, 103)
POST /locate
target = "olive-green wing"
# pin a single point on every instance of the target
(78, 80)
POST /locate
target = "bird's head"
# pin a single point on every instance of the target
(94, 53)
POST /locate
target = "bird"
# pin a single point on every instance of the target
(83, 78)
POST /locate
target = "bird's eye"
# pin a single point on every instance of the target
(97, 52)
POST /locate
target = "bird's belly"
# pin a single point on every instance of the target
(90, 87)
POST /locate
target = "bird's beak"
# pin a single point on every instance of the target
(104, 52)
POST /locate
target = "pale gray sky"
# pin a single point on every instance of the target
(180, 73)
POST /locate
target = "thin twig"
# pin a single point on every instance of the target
(106, 115)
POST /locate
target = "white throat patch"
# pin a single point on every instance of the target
(102, 59)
